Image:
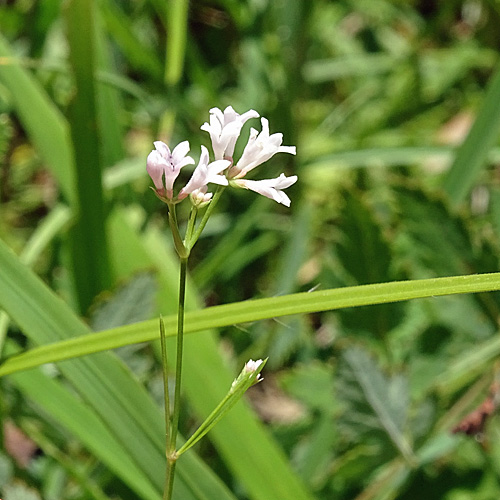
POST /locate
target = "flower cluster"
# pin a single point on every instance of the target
(224, 128)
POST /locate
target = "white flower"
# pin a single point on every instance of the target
(162, 163)
(205, 173)
(247, 373)
(225, 128)
(252, 366)
(260, 148)
(271, 188)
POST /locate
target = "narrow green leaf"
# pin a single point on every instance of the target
(384, 157)
(46, 127)
(254, 310)
(104, 383)
(108, 99)
(55, 400)
(88, 237)
(120, 27)
(177, 26)
(41, 237)
(472, 155)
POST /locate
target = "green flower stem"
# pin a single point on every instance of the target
(169, 480)
(190, 243)
(171, 454)
(239, 387)
(180, 346)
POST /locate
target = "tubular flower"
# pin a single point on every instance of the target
(163, 166)
(205, 173)
(260, 148)
(224, 129)
(270, 188)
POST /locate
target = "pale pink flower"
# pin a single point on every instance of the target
(163, 166)
(260, 148)
(205, 173)
(224, 129)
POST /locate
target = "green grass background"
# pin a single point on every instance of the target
(373, 295)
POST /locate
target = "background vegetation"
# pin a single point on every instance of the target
(395, 111)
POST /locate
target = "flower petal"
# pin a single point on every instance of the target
(164, 166)
(163, 149)
(155, 166)
(270, 188)
(224, 129)
(260, 148)
(180, 151)
(205, 173)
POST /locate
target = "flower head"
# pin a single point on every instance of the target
(260, 148)
(224, 129)
(252, 366)
(205, 173)
(163, 166)
(270, 188)
(250, 375)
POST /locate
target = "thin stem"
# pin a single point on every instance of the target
(174, 427)
(180, 346)
(169, 480)
(204, 220)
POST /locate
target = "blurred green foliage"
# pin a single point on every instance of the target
(395, 110)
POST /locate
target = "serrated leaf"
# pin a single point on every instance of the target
(373, 401)
(366, 255)
(440, 241)
(362, 250)
(437, 242)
